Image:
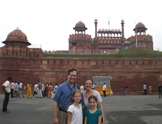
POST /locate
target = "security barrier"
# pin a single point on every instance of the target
(100, 90)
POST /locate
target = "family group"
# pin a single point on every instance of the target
(71, 106)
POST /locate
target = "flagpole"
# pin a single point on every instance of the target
(136, 36)
(109, 22)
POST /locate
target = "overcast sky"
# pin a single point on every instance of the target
(50, 22)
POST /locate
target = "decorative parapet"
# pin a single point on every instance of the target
(21, 52)
(75, 37)
(140, 38)
(109, 31)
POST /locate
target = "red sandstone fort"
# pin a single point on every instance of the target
(20, 62)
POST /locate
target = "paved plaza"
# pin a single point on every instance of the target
(131, 109)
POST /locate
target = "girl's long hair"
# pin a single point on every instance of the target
(73, 94)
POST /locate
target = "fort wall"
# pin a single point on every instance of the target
(131, 71)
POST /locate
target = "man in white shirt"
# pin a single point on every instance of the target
(7, 90)
(55, 87)
(82, 88)
(39, 94)
(93, 86)
(21, 89)
(104, 89)
(35, 89)
(145, 89)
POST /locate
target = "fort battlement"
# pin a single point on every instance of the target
(23, 52)
(140, 38)
(109, 40)
(84, 37)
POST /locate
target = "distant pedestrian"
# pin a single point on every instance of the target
(7, 90)
(126, 89)
(94, 85)
(54, 90)
(159, 90)
(144, 88)
(55, 87)
(82, 88)
(104, 89)
(46, 90)
(39, 89)
(16, 89)
(49, 91)
(42, 89)
(12, 86)
(29, 90)
(52, 86)
(150, 89)
(21, 89)
(35, 89)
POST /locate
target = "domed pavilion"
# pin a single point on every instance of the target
(16, 38)
(80, 27)
(140, 28)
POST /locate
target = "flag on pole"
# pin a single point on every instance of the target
(108, 21)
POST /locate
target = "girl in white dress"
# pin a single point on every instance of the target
(75, 109)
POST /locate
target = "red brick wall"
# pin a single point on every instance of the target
(142, 41)
(133, 72)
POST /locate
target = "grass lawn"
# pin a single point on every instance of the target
(124, 54)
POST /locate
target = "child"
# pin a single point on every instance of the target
(93, 115)
(75, 109)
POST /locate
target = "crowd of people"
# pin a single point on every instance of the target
(39, 90)
(17, 89)
(150, 91)
(146, 90)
